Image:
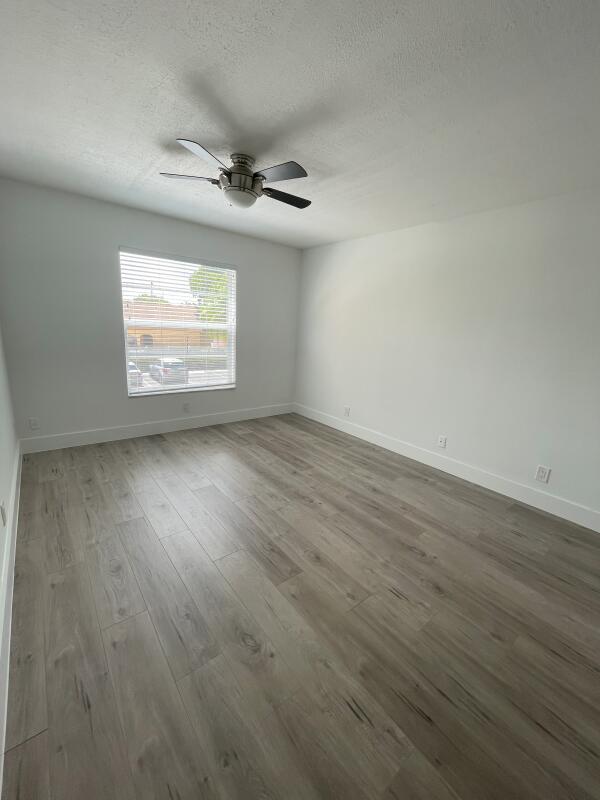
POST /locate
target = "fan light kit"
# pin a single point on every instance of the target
(240, 184)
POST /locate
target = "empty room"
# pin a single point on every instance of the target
(300, 400)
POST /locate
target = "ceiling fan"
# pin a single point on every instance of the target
(240, 185)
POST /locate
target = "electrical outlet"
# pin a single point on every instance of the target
(442, 441)
(346, 411)
(3, 514)
(34, 424)
(542, 473)
(186, 408)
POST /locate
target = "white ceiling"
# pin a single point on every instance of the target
(402, 111)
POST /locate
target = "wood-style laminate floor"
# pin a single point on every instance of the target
(273, 609)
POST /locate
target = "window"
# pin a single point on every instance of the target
(179, 319)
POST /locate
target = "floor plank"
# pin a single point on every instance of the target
(276, 562)
(327, 773)
(186, 461)
(160, 513)
(163, 751)
(328, 573)
(213, 537)
(417, 779)
(133, 469)
(115, 589)
(63, 545)
(371, 743)
(91, 521)
(123, 504)
(26, 772)
(216, 707)
(266, 679)
(187, 640)
(87, 751)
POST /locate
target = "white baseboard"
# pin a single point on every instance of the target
(7, 578)
(37, 444)
(560, 506)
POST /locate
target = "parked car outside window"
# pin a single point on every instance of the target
(169, 370)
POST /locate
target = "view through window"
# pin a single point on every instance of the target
(180, 320)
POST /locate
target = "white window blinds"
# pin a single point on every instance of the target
(179, 320)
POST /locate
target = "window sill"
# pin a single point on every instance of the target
(186, 390)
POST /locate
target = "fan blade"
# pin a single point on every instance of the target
(282, 172)
(189, 177)
(284, 197)
(200, 151)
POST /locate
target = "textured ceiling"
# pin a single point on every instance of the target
(402, 111)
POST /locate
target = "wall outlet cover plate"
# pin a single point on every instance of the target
(542, 473)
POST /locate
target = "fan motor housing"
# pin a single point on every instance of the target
(240, 187)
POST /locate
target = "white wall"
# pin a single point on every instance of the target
(61, 310)
(9, 462)
(485, 329)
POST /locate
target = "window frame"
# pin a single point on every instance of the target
(194, 262)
